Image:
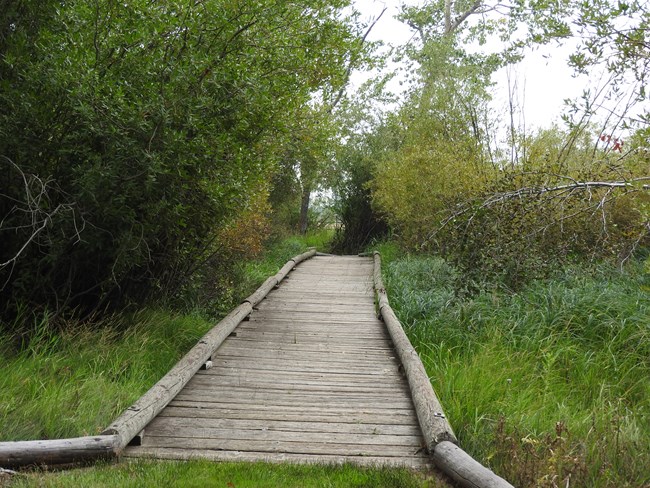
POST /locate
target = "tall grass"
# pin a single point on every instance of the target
(279, 252)
(549, 386)
(75, 381)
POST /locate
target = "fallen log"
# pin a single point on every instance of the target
(57, 451)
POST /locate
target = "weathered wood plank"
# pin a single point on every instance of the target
(281, 446)
(180, 417)
(313, 321)
(280, 340)
(251, 374)
(316, 299)
(322, 356)
(295, 379)
(277, 397)
(394, 390)
(323, 317)
(342, 330)
(234, 341)
(189, 428)
(246, 412)
(350, 309)
(344, 412)
(316, 335)
(414, 462)
(298, 400)
(292, 366)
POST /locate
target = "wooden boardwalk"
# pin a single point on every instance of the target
(311, 377)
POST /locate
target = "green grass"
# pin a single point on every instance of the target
(74, 382)
(548, 386)
(279, 252)
(197, 473)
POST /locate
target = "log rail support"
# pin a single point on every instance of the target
(132, 422)
(438, 434)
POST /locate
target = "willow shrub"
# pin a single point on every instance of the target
(132, 134)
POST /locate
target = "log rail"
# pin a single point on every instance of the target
(438, 434)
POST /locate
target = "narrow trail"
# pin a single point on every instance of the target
(312, 376)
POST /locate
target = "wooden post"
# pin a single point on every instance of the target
(437, 432)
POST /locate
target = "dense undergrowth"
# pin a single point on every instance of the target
(549, 386)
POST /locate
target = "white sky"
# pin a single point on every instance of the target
(544, 79)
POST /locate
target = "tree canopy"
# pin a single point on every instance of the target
(146, 146)
(133, 133)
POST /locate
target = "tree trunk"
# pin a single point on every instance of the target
(304, 209)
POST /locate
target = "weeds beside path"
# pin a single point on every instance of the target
(549, 386)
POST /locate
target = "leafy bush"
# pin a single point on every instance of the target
(134, 137)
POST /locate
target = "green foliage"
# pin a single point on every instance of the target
(440, 158)
(539, 214)
(446, 187)
(546, 385)
(132, 135)
(357, 161)
(76, 381)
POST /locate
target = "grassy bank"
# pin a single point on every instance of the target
(549, 386)
(154, 474)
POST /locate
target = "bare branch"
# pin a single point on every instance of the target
(348, 71)
(34, 212)
(462, 17)
(566, 190)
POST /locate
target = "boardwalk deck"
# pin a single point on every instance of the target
(311, 377)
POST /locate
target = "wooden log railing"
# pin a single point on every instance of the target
(438, 434)
(133, 421)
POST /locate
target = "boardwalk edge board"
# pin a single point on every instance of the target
(132, 422)
(438, 434)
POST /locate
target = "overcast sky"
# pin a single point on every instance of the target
(543, 78)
